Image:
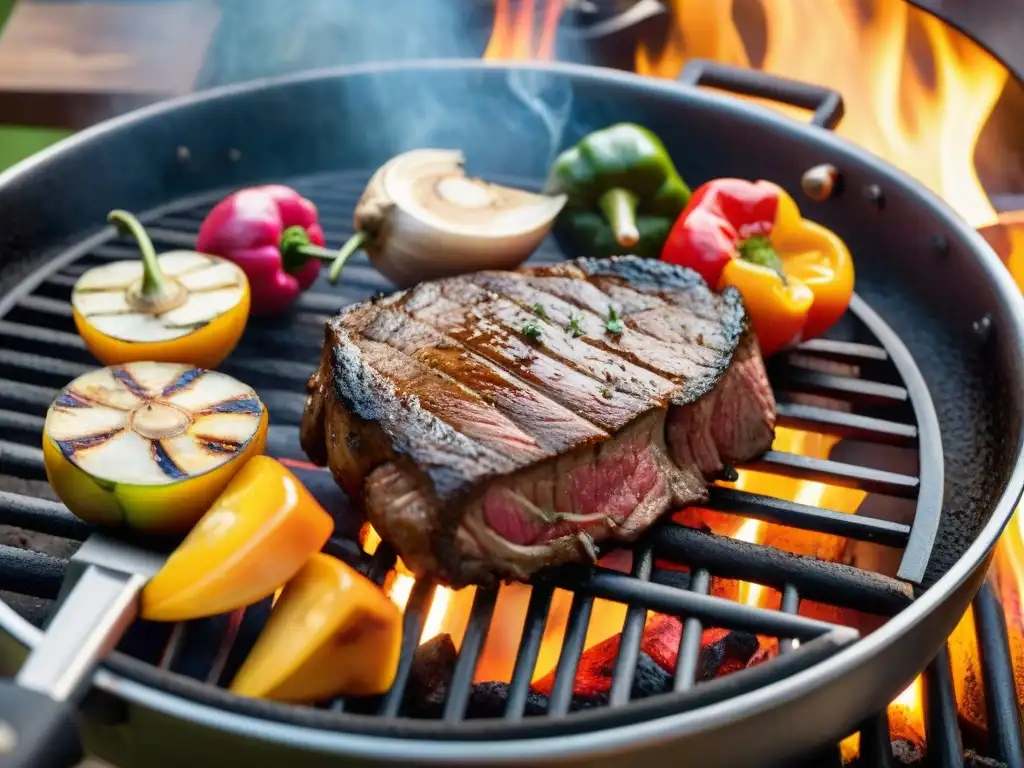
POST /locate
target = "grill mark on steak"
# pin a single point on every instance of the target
(668, 360)
(572, 388)
(458, 406)
(555, 428)
(450, 459)
(611, 369)
(466, 508)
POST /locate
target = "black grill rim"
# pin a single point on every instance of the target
(963, 578)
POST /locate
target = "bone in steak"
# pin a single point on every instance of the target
(481, 452)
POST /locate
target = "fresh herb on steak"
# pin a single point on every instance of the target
(606, 393)
(574, 326)
(530, 329)
(614, 322)
(539, 310)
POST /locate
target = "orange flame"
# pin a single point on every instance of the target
(917, 92)
(515, 35)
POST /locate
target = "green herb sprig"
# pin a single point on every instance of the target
(574, 326)
(613, 322)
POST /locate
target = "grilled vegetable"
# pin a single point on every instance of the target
(332, 632)
(796, 277)
(254, 538)
(181, 307)
(421, 217)
(273, 233)
(149, 445)
(624, 192)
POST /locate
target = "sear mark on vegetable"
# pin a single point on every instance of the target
(129, 382)
(184, 381)
(165, 462)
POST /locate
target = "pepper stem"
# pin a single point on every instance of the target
(153, 281)
(351, 245)
(619, 207)
(758, 249)
(296, 250)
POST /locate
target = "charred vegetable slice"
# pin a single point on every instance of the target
(254, 538)
(331, 633)
(181, 307)
(149, 445)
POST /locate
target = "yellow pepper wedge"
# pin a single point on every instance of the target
(254, 538)
(332, 632)
(149, 445)
(181, 307)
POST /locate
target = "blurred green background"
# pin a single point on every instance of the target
(20, 141)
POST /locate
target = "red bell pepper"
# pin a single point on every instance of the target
(274, 235)
(795, 276)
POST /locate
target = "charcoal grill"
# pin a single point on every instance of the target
(935, 333)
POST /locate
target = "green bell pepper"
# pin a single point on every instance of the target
(624, 192)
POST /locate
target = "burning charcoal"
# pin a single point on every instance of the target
(973, 760)
(488, 700)
(432, 668)
(723, 651)
(763, 654)
(907, 752)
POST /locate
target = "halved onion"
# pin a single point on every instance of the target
(422, 217)
(149, 445)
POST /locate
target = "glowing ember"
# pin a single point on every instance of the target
(906, 714)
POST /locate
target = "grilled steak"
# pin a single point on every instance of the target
(501, 422)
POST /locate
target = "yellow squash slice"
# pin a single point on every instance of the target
(150, 445)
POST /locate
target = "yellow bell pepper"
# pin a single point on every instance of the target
(332, 633)
(181, 307)
(254, 538)
(149, 445)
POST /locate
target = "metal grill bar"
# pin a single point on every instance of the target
(632, 633)
(846, 425)
(844, 351)
(529, 648)
(831, 583)
(790, 604)
(997, 667)
(875, 747)
(945, 750)
(837, 473)
(612, 585)
(30, 573)
(41, 515)
(772, 510)
(469, 654)
(572, 650)
(415, 616)
(689, 640)
(852, 390)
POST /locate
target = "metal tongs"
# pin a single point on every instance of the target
(98, 601)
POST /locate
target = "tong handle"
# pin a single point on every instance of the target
(35, 730)
(37, 708)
